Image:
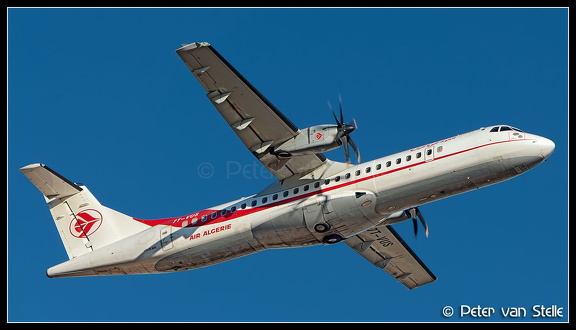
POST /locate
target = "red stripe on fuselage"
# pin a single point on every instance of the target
(177, 221)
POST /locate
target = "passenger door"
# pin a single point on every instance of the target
(166, 238)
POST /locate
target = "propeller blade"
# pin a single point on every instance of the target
(341, 114)
(353, 123)
(338, 122)
(353, 145)
(342, 137)
(415, 214)
(333, 113)
(419, 214)
(346, 151)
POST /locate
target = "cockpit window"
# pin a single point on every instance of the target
(504, 128)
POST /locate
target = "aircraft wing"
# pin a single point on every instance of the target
(384, 248)
(256, 121)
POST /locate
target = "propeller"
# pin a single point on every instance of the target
(344, 131)
(415, 214)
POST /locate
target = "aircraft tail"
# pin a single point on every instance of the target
(83, 223)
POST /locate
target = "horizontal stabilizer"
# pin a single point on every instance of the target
(51, 184)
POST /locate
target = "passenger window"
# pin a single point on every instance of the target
(439, 149)
(296, 190)
(264, 200)
(368, 169)
(243, 206)
(223, 212)
(306, 187)
(388, 163)
(233, 209)
(418, 154)
(347, 176)
(408, 158)
(316, 184)
(398, 160)
(429, 152)
(203, 218)
(285, 194)
(327, 181)
(213, 215)
(254, 202)
(337, 178)
(378, 166)
(275, 197)
(357, 172)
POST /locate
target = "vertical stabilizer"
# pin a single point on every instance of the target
(83, 223)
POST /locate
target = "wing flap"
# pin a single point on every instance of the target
(384, 248)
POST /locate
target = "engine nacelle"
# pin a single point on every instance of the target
(397, 217)
(312, 140)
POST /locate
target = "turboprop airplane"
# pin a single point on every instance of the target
(313, 201)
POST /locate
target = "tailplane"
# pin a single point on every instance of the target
(83, 223)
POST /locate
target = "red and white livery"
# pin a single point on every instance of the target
(314, 201)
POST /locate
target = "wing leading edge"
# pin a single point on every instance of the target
(256, 121)
(384, 248)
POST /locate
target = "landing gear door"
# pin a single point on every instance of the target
(315, 215)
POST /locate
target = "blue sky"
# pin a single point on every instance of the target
(100, 96)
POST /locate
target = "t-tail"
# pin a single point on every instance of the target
(83, 223)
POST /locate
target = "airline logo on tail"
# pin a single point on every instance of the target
(86, 223)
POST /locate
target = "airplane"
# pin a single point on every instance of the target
(314, 200)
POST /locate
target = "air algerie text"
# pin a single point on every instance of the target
(211, 231)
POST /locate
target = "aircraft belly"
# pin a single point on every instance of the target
(207, 254)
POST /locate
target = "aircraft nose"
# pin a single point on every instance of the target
(546, 147)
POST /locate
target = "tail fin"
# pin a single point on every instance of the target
(83, 223)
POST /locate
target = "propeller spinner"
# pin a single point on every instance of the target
(343, 136)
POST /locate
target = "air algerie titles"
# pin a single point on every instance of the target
(211, 231)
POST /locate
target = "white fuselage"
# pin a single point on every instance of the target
(348, 201)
